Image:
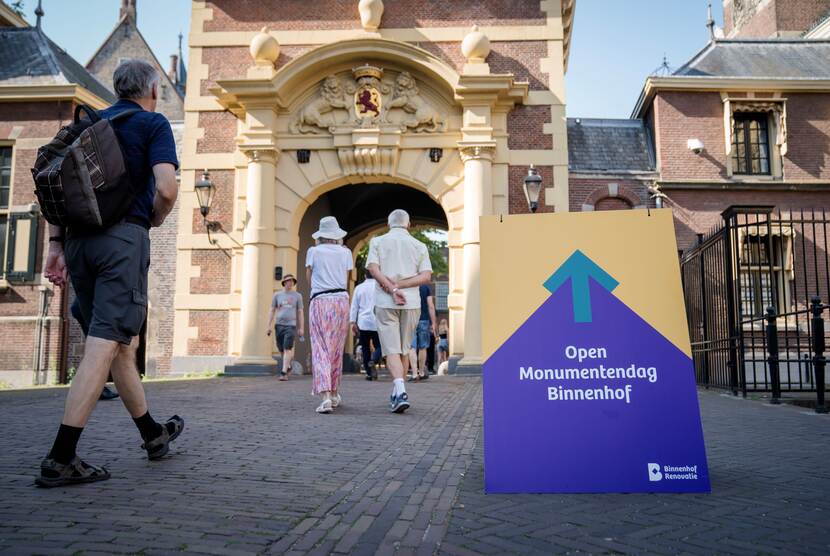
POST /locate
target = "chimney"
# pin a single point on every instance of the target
(128, 10)
(172, 73)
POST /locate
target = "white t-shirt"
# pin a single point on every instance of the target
(329, 265)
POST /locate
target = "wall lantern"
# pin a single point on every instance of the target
(436, 154)
(303, 156)
(533, 187)
(205, 191)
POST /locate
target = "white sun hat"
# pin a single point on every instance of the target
(329, 229)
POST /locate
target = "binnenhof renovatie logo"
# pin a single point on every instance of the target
(671, 472)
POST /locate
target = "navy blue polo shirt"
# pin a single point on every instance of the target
(146, 140)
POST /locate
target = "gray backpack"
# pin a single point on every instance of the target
(81, 180)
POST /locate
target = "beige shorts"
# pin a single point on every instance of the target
(396, 327)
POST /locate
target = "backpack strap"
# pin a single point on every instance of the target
(92, 114)
(125, 114)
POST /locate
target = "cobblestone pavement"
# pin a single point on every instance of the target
(257, 471)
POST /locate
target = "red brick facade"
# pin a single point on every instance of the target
(774, 18)
(252, 15)
(219, 134)
(213, 333)
(29, 311)
(525, 125)
(516, 200)
(607, 193)
(214, 272)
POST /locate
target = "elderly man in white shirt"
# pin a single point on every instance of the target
(362, 318)
(399, 263)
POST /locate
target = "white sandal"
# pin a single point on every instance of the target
(336, 401)
(324, 407)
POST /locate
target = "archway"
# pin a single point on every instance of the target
(362, 210)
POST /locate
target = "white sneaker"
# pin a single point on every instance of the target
(324, 407)
(335, 401)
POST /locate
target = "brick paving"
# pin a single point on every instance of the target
(258, 472)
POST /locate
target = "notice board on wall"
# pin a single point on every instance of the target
(589, 384)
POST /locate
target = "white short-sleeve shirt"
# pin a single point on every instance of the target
(329, 265)
(399, 256)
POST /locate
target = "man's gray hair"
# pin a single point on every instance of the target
(398, 218)
(134, 79)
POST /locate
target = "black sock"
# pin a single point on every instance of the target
(63, 450)
(148, 427)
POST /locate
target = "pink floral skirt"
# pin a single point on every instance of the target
(328, 321)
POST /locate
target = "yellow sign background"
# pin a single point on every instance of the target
(636, 247)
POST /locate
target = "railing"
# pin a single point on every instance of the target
(754, 286)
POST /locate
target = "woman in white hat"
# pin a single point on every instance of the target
(327, 266)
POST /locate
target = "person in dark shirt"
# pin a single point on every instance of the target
(109, 274)
(425, 329)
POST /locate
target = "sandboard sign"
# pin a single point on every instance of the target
(588, 379)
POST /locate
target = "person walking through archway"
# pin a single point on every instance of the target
(443, 342)
(327, 267)
(287, 307)
(399, 263)
(362, 319)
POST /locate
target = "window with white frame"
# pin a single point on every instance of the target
(442, 290)
(756, 136)
(766, 270)
(18, 229)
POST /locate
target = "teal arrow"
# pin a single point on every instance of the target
(578, 268)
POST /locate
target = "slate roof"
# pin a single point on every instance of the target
(28, 57)
(770, 58)
(602, 145)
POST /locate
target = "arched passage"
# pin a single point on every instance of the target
(361, 210)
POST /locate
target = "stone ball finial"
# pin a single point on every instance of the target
(371, 12)
(475, 46)
(264, 47)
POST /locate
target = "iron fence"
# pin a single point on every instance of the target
(754, 283)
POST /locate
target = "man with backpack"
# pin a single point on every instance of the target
(103, 246)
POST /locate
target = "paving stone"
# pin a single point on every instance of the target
(258, 472)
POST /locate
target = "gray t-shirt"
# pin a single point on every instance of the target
(287, 304)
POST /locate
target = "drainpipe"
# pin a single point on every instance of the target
(38, 351)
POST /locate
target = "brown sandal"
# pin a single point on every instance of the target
(55, 474)
(159, 446)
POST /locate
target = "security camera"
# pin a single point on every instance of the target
(695, 145)
(34, 209)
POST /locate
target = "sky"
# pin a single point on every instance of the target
(615, 43)
(81, 26)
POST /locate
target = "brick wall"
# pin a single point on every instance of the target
(162, 289)
(686, 115)
(20, 304)
(252, 15)
(221, 208)
(595, 191)
(220, 130)
(524, 128)
(232, 62)
(700, 211)
(214, 272)
(808, 140)
(758, 19)
(516, 200)
(212, 337)
(690, 115)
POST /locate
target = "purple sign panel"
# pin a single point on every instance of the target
(586, 396)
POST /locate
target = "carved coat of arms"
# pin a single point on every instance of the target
(369, 101)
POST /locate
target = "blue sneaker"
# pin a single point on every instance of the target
(399, 404)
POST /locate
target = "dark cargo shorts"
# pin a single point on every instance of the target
(285, 337)
(109, 274)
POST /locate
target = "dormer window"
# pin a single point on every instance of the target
(750, 146)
